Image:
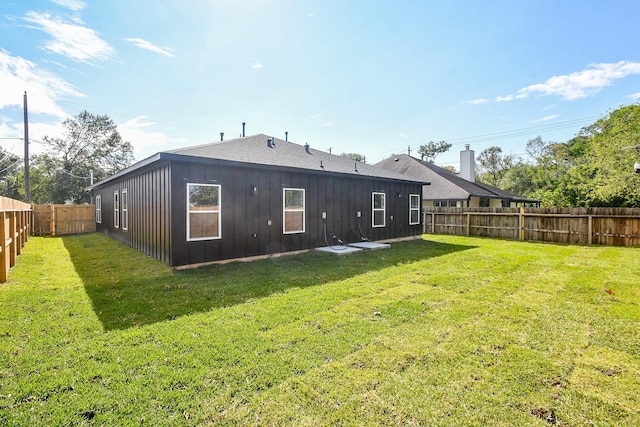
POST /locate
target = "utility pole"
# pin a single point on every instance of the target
(27, 185)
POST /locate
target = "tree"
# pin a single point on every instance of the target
(91, 144)
(354, 156)
(492, 163)
(604, 170)
(431, 149)
(10, 182)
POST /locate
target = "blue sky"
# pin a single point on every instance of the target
(372, 77)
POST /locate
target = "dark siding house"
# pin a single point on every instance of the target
(249, 197)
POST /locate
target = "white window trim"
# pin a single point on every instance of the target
(412, 196)
(99, 209)
(374, 209)
(125, 209)
(116, 209)
(218, 211)
(303, 210)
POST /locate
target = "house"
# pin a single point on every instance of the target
(448, 189)
(252, 196)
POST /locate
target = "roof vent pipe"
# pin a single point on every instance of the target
(269, 144)
(286, 136)
(243, 123)
(221, 136)
(307, 149)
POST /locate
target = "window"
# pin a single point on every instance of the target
(203, 212)
(99, 209)
(116, 209)
(378, 203)
(125, 210)
(293, 210)
(414, 209)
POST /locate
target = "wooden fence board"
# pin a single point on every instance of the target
(15, 228)
(60, 220)
(601, 226)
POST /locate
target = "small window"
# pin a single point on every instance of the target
(99, 209)
(293, 210)
(116, 209)
(378, 202)
(203, 212)
(125, 210)
(414, 209)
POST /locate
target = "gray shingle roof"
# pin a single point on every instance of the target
(445, 185)
(257, 150)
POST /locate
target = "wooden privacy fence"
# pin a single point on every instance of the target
(15, 227)
(600, 226)
(58, 220)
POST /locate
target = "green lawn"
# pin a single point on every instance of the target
(441, 331)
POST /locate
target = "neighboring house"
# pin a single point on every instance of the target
(448, 189)
(249, 197)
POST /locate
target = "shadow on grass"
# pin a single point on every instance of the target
(129, 289)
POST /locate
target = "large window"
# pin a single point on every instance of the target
(293, 210)
(116, 209)
(125, 209)
(99, 209)
(378, 204)
(203, 212)
(414, 209)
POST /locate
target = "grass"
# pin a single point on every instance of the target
(442, 331)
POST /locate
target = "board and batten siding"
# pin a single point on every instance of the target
(252, 218)
(251, 203)
(149, 211)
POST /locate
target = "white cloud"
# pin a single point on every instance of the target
(477, 101)
(71, 38)
(546, 118)
(44, 88)
(256, 66)
(145, 143)
(143, 44)
(75, 5)
(580, 84)
(634, 95)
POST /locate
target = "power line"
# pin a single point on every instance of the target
(501, 135)
(74, 176)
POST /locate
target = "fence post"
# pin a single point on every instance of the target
(590, 229)
(53, 220)
(433, 222)
(468, 223)
(522, 223)
(13, 246)
(4, 256)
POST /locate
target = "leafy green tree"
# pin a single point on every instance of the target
(604, 169)
(91, 144)
(10, 170)
(492, 165)
(431, 149)
(354, 156)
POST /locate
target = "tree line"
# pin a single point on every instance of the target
(594, 168)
